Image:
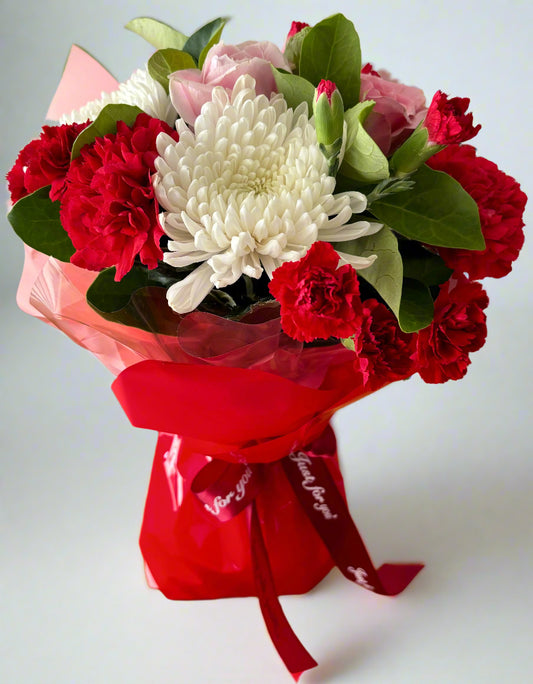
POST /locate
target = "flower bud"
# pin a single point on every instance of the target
(293, 44)
(328, 110)
(446, 123)
(296, 27)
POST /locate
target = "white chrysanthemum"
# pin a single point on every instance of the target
(140, 90)
(247, 191)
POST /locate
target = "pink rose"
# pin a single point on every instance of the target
(191, 88)
(398, 109)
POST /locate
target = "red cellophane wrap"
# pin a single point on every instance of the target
(246, 496)
(214, 388)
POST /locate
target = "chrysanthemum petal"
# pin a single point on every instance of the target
(185, 295)
(251, 186)
(140, 90)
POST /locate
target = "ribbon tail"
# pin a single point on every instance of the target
(290, 649)
(395, 577)
(327, 510)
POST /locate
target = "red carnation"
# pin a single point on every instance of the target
(390, 353)
(44, 161)
(447, 121)
(318, 300)
(459, 328)
(109, 208)
(501, 205)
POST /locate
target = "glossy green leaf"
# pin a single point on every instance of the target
(205, 37)
(416, 308)
(138, 300)
(157, 33)
(331, 50)
(386, 273)
(363, 160)
(423, 265)
(165, 62)
(436, 211)
(35, 219)
(294, 89)
(105, 124)
(107, 294)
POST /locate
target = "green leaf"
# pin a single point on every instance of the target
(423, 265)
(416, 308)
(105, 124)
(107, 294)
(386, 273)
(214, 39)
(205, 37)
(35, 219)
(436, 211)
(156, 33)
(294, 89)
(363, 160)
(331, 51)
(165, 62)
(138, 300)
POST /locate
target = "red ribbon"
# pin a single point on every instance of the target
(227, 413)
(327, 510)
(226, 489)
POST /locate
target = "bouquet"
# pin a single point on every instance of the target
(250, 238)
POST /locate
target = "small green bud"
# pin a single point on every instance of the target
(414, 152)
(328, 110)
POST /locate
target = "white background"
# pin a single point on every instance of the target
(434, 473)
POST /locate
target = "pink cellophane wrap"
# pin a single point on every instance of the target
(84, 79)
